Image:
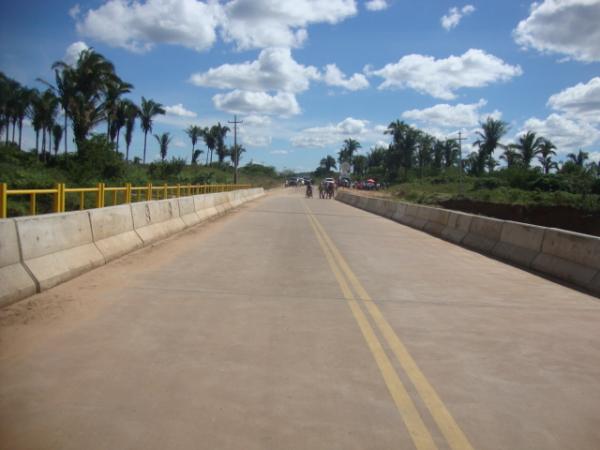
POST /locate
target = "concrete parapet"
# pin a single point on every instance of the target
(57, 247)
(112, 231)
(157, 219)
(389, 208)
(221, 202)
(565, 255)
(39, 252)
(15, 282)
(187, 211)
(458, 227)
(519, 243)
(437, 220)
(399, 212)
(484, 234)
(201, 206)
(413, 218)
(573, 257)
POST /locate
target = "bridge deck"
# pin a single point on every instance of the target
(302, 324)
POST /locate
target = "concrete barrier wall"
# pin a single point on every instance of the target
(15, 281)
(113, 232)
(564, 255)
(58, 247)
(187, 211)
(571, 256)
(39, 252)
(157, 219)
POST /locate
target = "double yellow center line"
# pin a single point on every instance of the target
(417, 429)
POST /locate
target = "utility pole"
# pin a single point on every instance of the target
(460, 162)
(235, 149)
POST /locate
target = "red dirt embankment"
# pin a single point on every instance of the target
(564, 217)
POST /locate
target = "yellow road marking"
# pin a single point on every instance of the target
(410, 415)
(455, 437)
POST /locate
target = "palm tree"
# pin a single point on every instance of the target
(35, 115)
(57, 132)
(114, 89)
(492, 130)
(328, 163)
(210, 142)
(451, 150)
(64, 88)
(21, 105)
(578, 158)
(131, 113)
(545, 153)
(119, 121)
(359, 164)
(194, 132)
(528, 146)
(402, 150)
(149, 109)
(43, 112)
(235, 152)
(220, 132)
(163, 141)
(10, 106)
(347, 151)
(196, 155)
(511, 156)
(87, 82)
(424, 151)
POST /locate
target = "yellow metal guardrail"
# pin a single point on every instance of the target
(116, 195)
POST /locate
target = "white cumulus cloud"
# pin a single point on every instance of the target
(581, 101)
(179, 110)
(334, 77)
(328, 135)
(566, 133)
(267, 23)
(449, 116)
(568, 27)
(249, 102)
(138, 26)
(376, 5)
(73, 51)
(440, 78)
(455, 15)
(275, 69)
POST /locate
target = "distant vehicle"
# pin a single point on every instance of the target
(329, 180)
(291, 182)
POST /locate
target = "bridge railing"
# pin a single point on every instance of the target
(96, 197)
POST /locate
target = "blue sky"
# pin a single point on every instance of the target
(304, 75)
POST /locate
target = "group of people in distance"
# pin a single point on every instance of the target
(326, 189)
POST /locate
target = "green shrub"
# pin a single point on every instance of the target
(489, 183)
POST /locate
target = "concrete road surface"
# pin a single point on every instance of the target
(302, 324)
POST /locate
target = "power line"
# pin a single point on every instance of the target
(235, 123)
(460, 161)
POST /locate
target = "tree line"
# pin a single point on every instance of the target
(89, 93)
(415, 152)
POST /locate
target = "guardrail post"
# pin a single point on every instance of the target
(56, 202)
(100, 196)
(178, 190)
(127, 192)
(149, 192)
(3, 200)
(32, 200)
(165, 191)
(81, 201)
